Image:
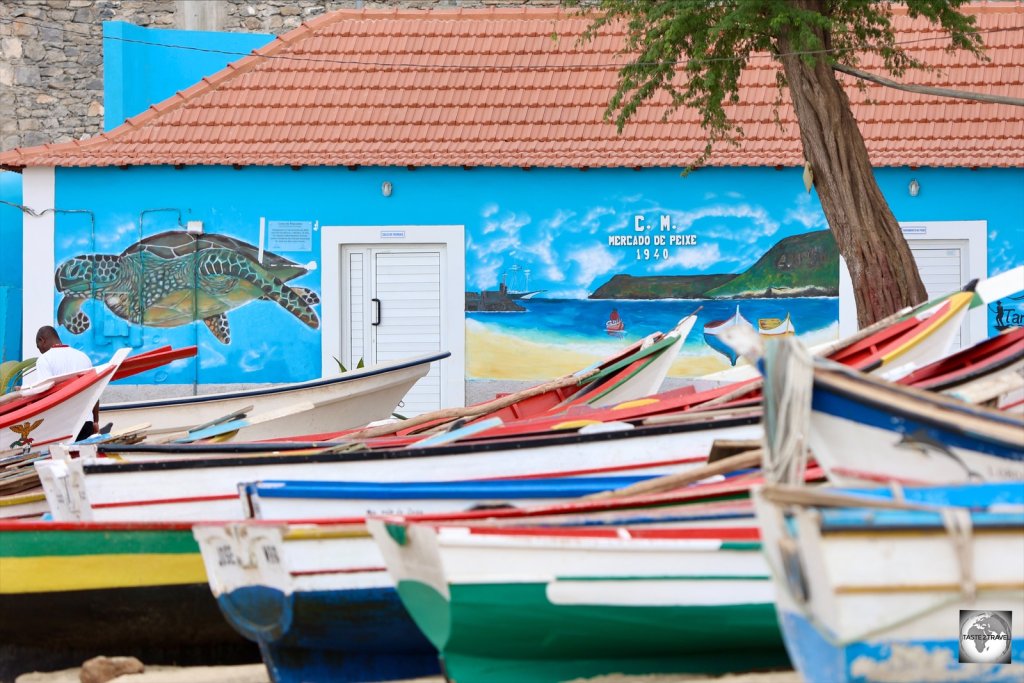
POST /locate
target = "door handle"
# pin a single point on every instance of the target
(376, 312)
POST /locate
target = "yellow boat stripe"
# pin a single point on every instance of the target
(22, 499)
(89, 572)
(314, 534)
(957, 302)
(574, 424)
(635, 404)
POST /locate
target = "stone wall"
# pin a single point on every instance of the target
(51, 56)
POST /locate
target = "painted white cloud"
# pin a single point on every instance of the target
(807, 213)
(114, 239)
(592, 263)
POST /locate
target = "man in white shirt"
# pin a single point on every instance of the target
(59, 359)
(56, 358)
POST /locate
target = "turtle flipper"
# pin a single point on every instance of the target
(71, 316)
(218, 324)
(308, 295)
(272, 287)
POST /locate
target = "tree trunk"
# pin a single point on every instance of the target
(885, 277)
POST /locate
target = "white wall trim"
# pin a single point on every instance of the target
(976, 234)
(453, 304)
(37, 261)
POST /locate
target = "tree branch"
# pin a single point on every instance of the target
(926, 90)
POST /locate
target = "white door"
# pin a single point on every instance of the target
(417, 274)
(391, 309)
(943, 268)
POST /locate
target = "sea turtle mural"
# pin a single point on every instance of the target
(175, 278)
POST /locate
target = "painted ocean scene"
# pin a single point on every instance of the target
(551, 331)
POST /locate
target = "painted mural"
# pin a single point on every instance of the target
(177, 279)
(642, 274)
(1008, 313)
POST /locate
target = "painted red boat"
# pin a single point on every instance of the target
(615, 325)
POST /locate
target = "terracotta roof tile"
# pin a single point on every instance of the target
(493, 87)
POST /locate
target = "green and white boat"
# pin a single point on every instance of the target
(643, 594)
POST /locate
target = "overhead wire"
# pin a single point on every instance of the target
(462, 67)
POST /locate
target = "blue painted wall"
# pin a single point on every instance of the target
(10, 266)
(138, 71)
(554, 221)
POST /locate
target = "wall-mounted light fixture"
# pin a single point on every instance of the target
(914, 188)
(385, 188)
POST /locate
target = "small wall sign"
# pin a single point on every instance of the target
(290, 235)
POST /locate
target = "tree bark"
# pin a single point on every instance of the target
(884, 274)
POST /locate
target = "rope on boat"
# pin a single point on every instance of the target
(958, 523)
(788, 380)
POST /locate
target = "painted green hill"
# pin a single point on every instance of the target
(659, 286)
(801, 265)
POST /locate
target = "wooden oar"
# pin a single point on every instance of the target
(669, 482)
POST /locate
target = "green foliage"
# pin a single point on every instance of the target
(341, 366)
(696, 50)
(12, 371)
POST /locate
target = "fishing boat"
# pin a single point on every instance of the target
(154, 358)
(515, 283)
(350, 399)
(629, 374)
(923, 586)
(628, 585)
(316, 596)
(775, 327)
(197, 482)
(615, 326)
(71, 591)
(55, 409)
(305, 589)
(714, 329)
(308, 500)
(862, 429)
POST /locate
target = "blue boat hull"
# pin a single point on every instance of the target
(817, 659)
(352, 635)
(718, 345)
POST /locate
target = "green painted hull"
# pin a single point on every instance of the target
(497, 633)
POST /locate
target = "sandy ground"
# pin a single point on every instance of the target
(255, 673)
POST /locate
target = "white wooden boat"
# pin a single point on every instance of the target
(865, 430)
(54, 410)
(206, 486)
(350, 399)
(551, 602)
(929, 587)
